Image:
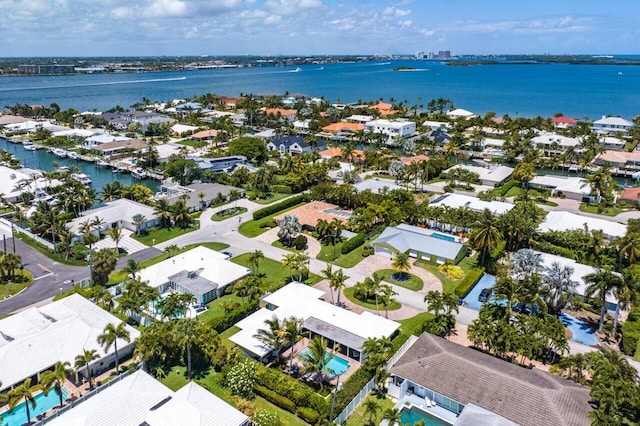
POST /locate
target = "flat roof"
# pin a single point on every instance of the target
(457, 201)
(407, 237)
(376, 185)
(496, 173)
(35, 339)
(562, 183)
(113, 211)
(563, 221)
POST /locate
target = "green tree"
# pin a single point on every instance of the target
(84, 360)
(393, 415)
(371, 408)
(252, 148)
(524, 172)
(316, 359)
(400, 264)
(109, 337)
(103, 263)
(274, 336)
(255, 258)
(484, 233)
(23, 392)
(116, 235)
(289, 228)
(138, 221)
(599, 284)
(187, 332)
(54, 379)
(558, 286)
(162, 211)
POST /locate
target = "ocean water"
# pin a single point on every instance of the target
(579, 91)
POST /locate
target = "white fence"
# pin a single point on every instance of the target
(401, 351)
(17, 229)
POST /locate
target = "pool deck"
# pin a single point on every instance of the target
(436, 411)
(298, 347)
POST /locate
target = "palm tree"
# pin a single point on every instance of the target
(289, 228)
(316, 359)
(274, 336)
(386, 293)
(556, 283)
(54, 379)
(23, 392)
(511, 290)
(132, 268)
(600, 283)
(83, 360)
(187, 332)
(327, 274)
(103, 297)
(293, 332)
(394, 416)
(116, 235)
(630, 249)
(162, 211)
(525, 262)
(110, 336)
(254, 259)
(485, 234)
(371, 408)
(338, 280)
(400, 264)
(138, 221)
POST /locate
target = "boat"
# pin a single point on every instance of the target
(82, 178)
(73, 155)
(59, 152)
(62, 169)
(101, 163)
(120, 168)
(29, 146)
(296, 70)
(139, 173)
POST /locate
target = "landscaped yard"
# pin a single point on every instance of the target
(216, 307)
(160, 235)
(358, 417)
(371, 304)
(272, 269)
(329, 253)
(273, 197)
(412, 282)
(253, 228)
(448, 286)
(593, 208)
(227, 213)
(10, 289)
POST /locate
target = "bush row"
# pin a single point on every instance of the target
(507, 186)
(352, 243)
(631, 332)
(467, 283)
(553, 249)
(282, 189)
(275, 398)
(309, 415)
(222, 323)
(275, 208)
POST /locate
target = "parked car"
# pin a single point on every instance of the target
(484, 295)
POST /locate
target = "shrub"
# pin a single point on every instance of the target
(242, 378)
(309, 415)
(450, 271)
(507, 186)
(553, 249)
(353, 243)
(222, 323)
(282, 189)
(246, 407)
(275, 208)
(265, 418)
(299, 242)
(631, 332)
(469, 281)
(275, 398)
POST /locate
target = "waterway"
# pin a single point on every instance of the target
(44, 160)
(578, 91)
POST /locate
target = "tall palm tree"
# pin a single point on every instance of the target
(393, 415)
(316, 359)
(630, 249)
(187, 333)
(23, 392)
(293, 332)
(54, 379)
(524, 263)
(400, 264)
(116, 235)
(110, 336)
(599, 284)
(273, 336)
(386, 293)
(162, 211)
(138, 221)
(83, 360)
(327, 274)
(371, 408)
(338, 282)
(558, 286)
(484, 233)
(132, 268)
(255, 258)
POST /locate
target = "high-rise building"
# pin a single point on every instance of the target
(420, 55)
(444, 54)
(431, 55)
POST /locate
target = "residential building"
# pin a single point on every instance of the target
(420, 243)
(301, 126)
(360, 119)
(619, 159)
(565, 221)
(14, 182)
(456, 377)
(119, 146)
(193, 192)
(383, 108)
(309, 214)
(552, 142)
(376, 185)
(392, 128)
(281, 113)
(338, 325)
(574, 188)
(328, 153)
(459, 201)
(33, 340)
(230, 102)
(436, 125)
(612, 126)
(489, 176)
(460, 113)
(610, 142)
(138, 116)
(343, 127)
(293, 145)
(440, 137)
(139, 399)
(116, 214)
(46, 69)
(180, 130)
(563, 122)
(219, 164)
(99, 138)
(202, 272)
(631, 195)
(204, 135)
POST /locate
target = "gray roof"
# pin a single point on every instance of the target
(192, 281)
(472, 415)
(527, 397)
(210, 191)
(407, 237)
(334, 333)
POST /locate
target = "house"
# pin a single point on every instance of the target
(281, 113)
(180, 130)
(301, 126)
(459, 201)
(320, 318)
(552, 142)
(565, 221)
(631, 195)
(309, 214)
(33, 340)
(208, 191)
(376, 186)
(489, 176)
(265, 135)
(440, 137)
(610, 142)
(11, 119)
(138, 116)
(493, 147)
(189, 108)
(419, 243)
(333, 152)
(413, 159)
(625, 160)
(116, 214)
(14, 182)
(457, 377)
(293, 145)
(460, 113)
(574, 188)
(118, 146)
(343, 127)
(436, 125)
(100, 138)
(202, 272)
(78, 133)
(392, 128)
(612, 126)
(358, 118)
(563, 122)
(219, 164)
(139, 399)
(383, 108)
(230, 102)
(204, 135)
(114, 120)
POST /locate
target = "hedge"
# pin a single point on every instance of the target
(275, 208)
(631, 332)
(282, 189)
(309, 415)
(553, 249)
(467, 283)
(275, 398)
(507, 186)
(353, 243)
(226, 321)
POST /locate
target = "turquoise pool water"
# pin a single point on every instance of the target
(337, 365)
(18, 416)
(444, 237)
(413, 414)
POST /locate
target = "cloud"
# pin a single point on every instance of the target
(392, 12)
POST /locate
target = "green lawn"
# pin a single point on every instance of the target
(593, 208)
(273, 197)
(636, 355)
(414, 324)
(348, 293)
(160, 235)
(272, 269)
(357, 418)
(448, 286)
(189, 142)
(120, 276)
(414, 282)
(228, 333)
(278, 244)
(253, 228)
(10, 289)
(215, 307)
(227, 213)
(330, 253)
(352, 258)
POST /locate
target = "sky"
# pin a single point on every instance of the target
(316, 27)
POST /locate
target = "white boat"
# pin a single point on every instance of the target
(139, 173)
(29, 146)
(62, 169)
(73, 155)
(101, 163)
(120, 168)
(59, 152)
(82, 178)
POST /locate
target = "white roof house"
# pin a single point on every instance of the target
(392, 128)
(420, 243)
(459, 112)
(345, 327)
(116, 213)
(612, 125)
(564, 221)
(15, 182)
(101, 138)
(82, 133)
(574, 188)
(200, 271)
(545, 140)
(376, 185)
(179, 129)
(139, 399)
(33, 340)
(490, 176)
(457, 201)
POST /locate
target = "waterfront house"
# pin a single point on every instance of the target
(33, 340)
(460, 113)
(419, 243)
(182, 130)
(456, 377)
(571, 187)
(282, 114)
(120, 146)
(116, 214)
(490, 176)
(11, 119)
(230, 102)
(219, 164)
(630, 195)
(209, 192)
(359, 119)
(337, 325)
(293, 145)
(551, 142)
(563, 122)
(138, 116)
(382, 108)
(101, 138)
(619, 159)
(565, 221)
(201, 272)
(392, 128)
(612, 126)
(15, 182)
(459, 201)
(440, 137)
(610, 142)
(139, 399)
(343, 127)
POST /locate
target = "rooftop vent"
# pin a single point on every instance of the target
(192, 274)
(160, 404)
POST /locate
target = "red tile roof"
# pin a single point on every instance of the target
(632, 194)
(563, 120)
(280, 111)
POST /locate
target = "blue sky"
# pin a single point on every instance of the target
(307, 27)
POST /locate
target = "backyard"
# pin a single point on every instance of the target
(448, 285)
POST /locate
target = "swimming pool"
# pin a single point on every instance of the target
(444, 237)
(337, 365)
(487, 281)
(580, 332)
(414, 414)
(43, 403)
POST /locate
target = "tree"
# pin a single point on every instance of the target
(252, 148)
(138, 221)
(484, 233)
(273, 336)
(103, 263)
(132, 268)
(393, 415)
(558, 286)
(338, 282)
(525, 262)
(524, 172)
(110, 336)
(371, 408)
(400, 264)
(175, 305)
(162, 211)
(599, 284)
(182, 170)
(255, 258)
(171, 249)
(187, 332)
(54, 379)
(601, 185)
(289, 228)
(386, 293)
(116, 235)
(293, 332)
(84, 360)
(327, 274)
(23, 392)
(316, 359)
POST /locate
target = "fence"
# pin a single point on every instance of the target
(83, 398)
(17, 229)
(342, 417)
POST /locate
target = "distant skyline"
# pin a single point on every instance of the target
(315, 27)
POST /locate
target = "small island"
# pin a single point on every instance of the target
(404, 69)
